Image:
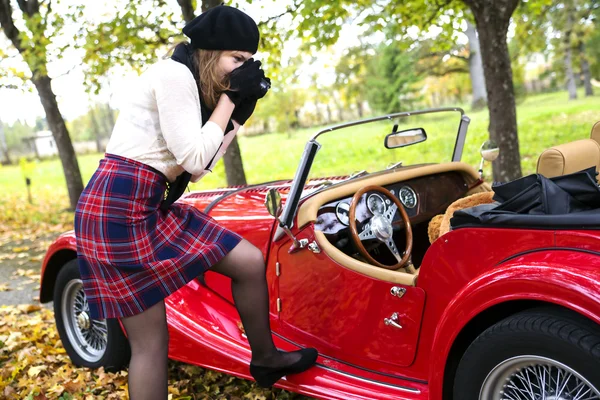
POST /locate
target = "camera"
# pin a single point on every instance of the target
(264, 87)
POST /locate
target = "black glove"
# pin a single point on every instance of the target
(245, 109)
(244, 82)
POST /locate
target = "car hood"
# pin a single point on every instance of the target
(242, 210)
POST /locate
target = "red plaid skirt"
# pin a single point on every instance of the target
(131, 254)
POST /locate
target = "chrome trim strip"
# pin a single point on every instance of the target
(401, 388)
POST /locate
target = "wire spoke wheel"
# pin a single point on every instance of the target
(88, 337)
(530, 377)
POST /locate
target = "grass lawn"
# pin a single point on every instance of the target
(543, 121)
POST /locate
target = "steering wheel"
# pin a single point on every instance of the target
(380, 228)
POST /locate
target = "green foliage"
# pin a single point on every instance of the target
(543, 121)
(391, 81)
(137, 33)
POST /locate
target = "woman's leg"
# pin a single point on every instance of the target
(149, 341)
(245, 266)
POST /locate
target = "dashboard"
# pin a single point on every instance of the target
(422, 198)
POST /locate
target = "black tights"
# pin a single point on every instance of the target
(149, 338)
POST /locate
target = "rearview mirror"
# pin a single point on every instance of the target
(405, 138)
(273, 203)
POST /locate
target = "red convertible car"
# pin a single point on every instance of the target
(404, 297)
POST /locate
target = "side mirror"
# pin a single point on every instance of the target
(489, 151)
(405, 138)
(273, 203)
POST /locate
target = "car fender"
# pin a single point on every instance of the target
(61, 251)
(563, 277)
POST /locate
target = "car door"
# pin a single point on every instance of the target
(343, 313)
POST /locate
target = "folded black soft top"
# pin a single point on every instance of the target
(564, 202)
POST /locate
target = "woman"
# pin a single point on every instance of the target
(134, 249)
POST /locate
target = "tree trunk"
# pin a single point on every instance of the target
(359, 108)
(109, 120)
(62, 138)
(4, 147)
(585, 70)
(208, 4)
(479, 100)
(570, 76)
(234, 168)
(187, 9)
(96, 130)
(492, 19)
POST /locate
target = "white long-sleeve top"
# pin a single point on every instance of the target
(160, 124)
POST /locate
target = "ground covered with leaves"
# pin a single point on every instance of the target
(34, 365)
(33, 362)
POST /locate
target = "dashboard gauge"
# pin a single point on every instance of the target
(408, 197)
(375, 204)
(342, 211)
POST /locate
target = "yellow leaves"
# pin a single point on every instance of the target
(29, 308)
(33, 365)
(35, 371)
(20, 249)
(4, 287)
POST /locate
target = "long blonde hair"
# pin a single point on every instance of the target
(212, 84)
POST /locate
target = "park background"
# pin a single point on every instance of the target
(330, 62)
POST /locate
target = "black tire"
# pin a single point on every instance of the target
(545, 338)
(83, 338)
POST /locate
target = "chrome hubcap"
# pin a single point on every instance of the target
(87, 336)
(536, 378)
(83, 321)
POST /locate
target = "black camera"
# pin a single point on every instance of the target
(264, 87)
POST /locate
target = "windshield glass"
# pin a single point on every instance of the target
(361, 148)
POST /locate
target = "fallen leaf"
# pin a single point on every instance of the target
(28, 308)
(35, 371)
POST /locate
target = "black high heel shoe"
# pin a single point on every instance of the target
(267, 376)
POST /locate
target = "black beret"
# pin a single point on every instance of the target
(223, 28)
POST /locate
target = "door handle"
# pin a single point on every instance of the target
(393, 321)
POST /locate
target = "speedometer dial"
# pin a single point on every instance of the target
(375, 204)
(408, 197)
(342, 212)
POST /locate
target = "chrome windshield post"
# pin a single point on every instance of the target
(291, 204)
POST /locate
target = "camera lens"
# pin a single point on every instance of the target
(264, 86)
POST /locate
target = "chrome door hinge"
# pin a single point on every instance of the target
(398, 291)
(277, 269)
(278, 305)
(314, 247)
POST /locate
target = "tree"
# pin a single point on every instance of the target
(391, 79)
(4, 147)
(42, 25)
(321, 19)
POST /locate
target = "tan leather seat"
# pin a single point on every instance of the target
(571, 157)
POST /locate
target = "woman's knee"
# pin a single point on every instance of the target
(252, 264)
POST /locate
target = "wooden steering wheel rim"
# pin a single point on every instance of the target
(354, 231)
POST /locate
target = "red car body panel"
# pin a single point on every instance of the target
(342, 312)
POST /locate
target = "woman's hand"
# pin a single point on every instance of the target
(245, 82)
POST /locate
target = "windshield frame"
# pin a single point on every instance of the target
(312, 147)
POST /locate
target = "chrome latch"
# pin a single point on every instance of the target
(398, 291)
(314, 247)
(393, 321)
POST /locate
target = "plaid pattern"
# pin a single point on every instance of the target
(132, 255)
